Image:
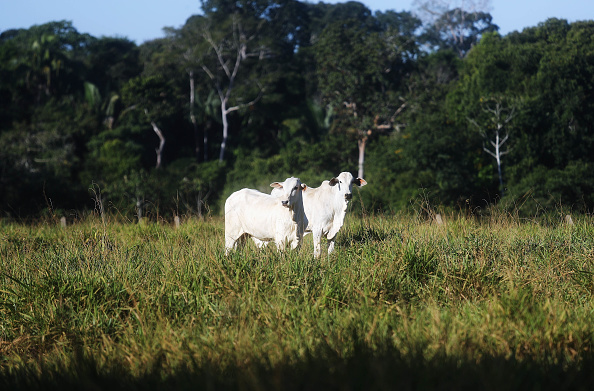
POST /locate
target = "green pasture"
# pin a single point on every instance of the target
(403, 303)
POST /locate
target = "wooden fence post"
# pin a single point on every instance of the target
(438, 219)
(568, 220)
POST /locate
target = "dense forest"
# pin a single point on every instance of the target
(447, 112)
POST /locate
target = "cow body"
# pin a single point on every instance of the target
(275, 217)
(326, 207)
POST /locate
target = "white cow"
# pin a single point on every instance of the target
(275, 217)
(325, 209)
(326, 206)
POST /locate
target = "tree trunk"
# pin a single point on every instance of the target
(498, 159)
(225, 130)
(159, 150)
(362, 143)
(230, 73)
(199, 205)
(139, 208)
(205, 140)
(500, 178)
(193, 118)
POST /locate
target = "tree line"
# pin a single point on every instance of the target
(246, 92)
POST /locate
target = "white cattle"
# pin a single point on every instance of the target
(326, 206)
(325, 209)
(277, 217)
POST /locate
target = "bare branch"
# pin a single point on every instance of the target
(480, 129)
(240, 55)
(500, 116)
(159, 133)
(208, 72)
(230, 50)
(241, 106)
(218, 51)
(511, 115)
(489, 152)
(398, 111)
(133, 107)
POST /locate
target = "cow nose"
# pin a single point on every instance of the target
(285, 203)
(348, 196)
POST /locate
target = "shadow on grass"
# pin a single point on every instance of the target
(365, 235)
(323, 369)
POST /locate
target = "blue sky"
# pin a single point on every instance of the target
(141, 20)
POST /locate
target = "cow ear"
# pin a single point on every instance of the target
(276, 185)
(359, 181)
(333, 181)
(303, 187)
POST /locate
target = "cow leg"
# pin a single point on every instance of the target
(317, 238)
(259, 243)
(230, 243)
(332, 236)
(280, 246)
(234, 240)
(331, 245)
(296, 240)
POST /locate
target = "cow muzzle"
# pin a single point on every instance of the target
(285, 204)
(348, 197)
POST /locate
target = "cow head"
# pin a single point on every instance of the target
(343, 184)
(288, 191)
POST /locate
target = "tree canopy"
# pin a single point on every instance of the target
(248, 92)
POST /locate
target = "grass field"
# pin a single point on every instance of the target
(403, 303)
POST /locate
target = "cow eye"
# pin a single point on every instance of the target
(296, 187)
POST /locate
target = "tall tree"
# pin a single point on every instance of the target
(400, 31)
(44, 118)
(227, 44)
(453, 24)
(429, 157)
(549, 69)
(356, 74)
(44, 62)
(151, 96)
(111, 63)
(495, 130)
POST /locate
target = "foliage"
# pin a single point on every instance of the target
(548, 131)
(81, 113)
(459, 30)
(570, 189)
(355, 73)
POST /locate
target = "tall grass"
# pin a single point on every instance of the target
(402, 302)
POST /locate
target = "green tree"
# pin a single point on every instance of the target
(549, 69)
(356, 76)
(150, 100)
(459, 30)
(45, 119)
(454, 24)
(225, 48)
